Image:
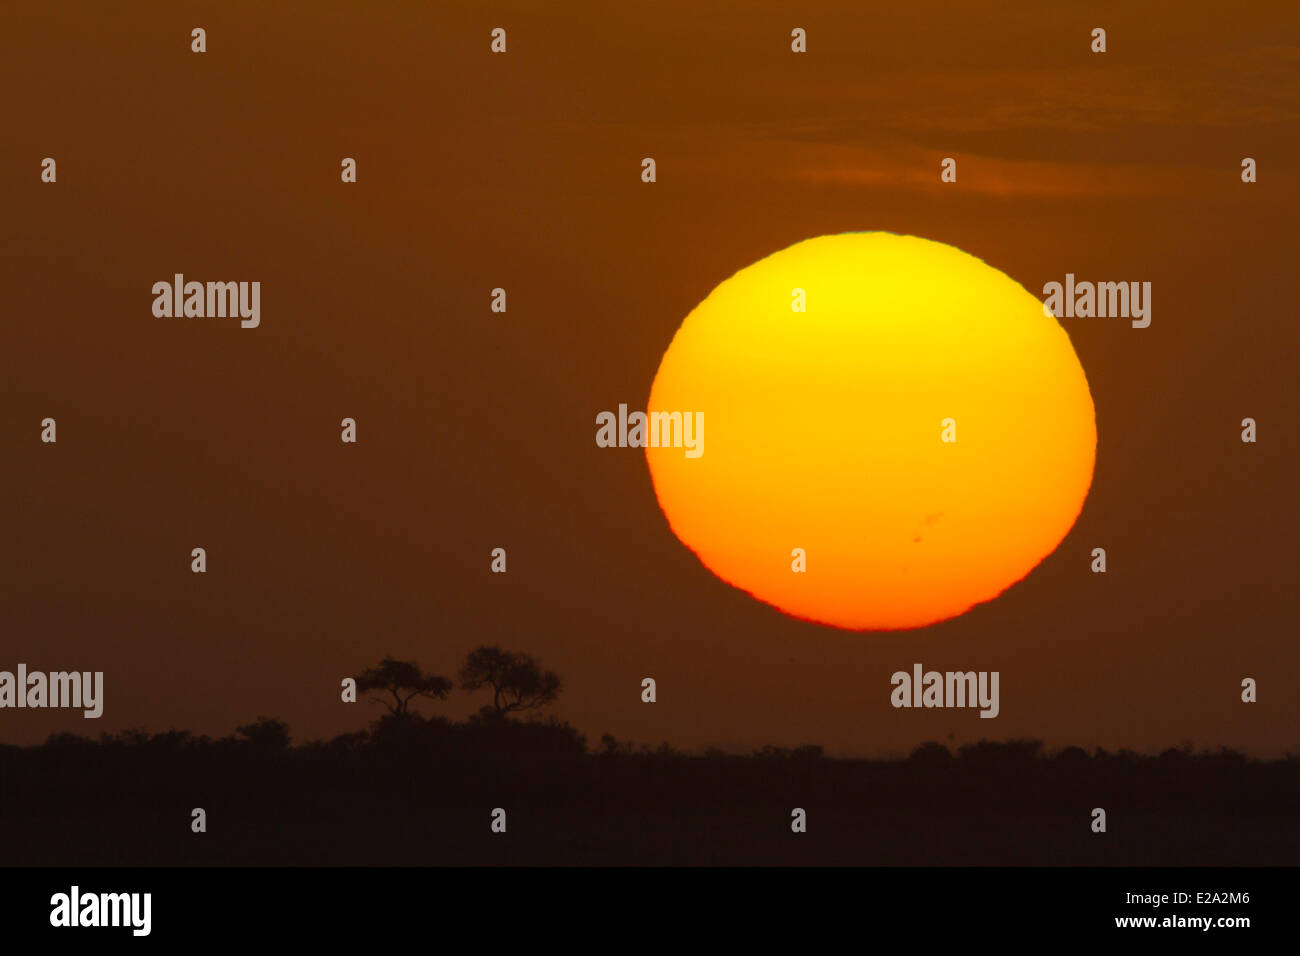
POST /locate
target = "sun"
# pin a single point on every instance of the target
(895, 431)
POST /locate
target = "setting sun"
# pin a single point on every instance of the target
(895, 431)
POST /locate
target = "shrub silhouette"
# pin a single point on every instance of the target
(266, 736)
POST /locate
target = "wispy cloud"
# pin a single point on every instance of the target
(904, 166)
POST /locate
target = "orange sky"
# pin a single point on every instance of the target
(476, 430)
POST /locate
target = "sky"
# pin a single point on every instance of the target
(476, 429)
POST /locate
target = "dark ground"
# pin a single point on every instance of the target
(421, 792)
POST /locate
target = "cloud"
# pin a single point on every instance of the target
(910, 167)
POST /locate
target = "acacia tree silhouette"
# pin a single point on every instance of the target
(517, 680)
(405, 681)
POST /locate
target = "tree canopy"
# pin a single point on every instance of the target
(518, 681)
(405, 681)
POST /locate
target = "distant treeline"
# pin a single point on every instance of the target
(412, 789)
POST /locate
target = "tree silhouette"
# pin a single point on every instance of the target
(405, 681)
(517, 680)
(268, 735)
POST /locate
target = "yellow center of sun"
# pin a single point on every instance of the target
(824, 431)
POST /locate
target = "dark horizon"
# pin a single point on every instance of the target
(413, 790)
